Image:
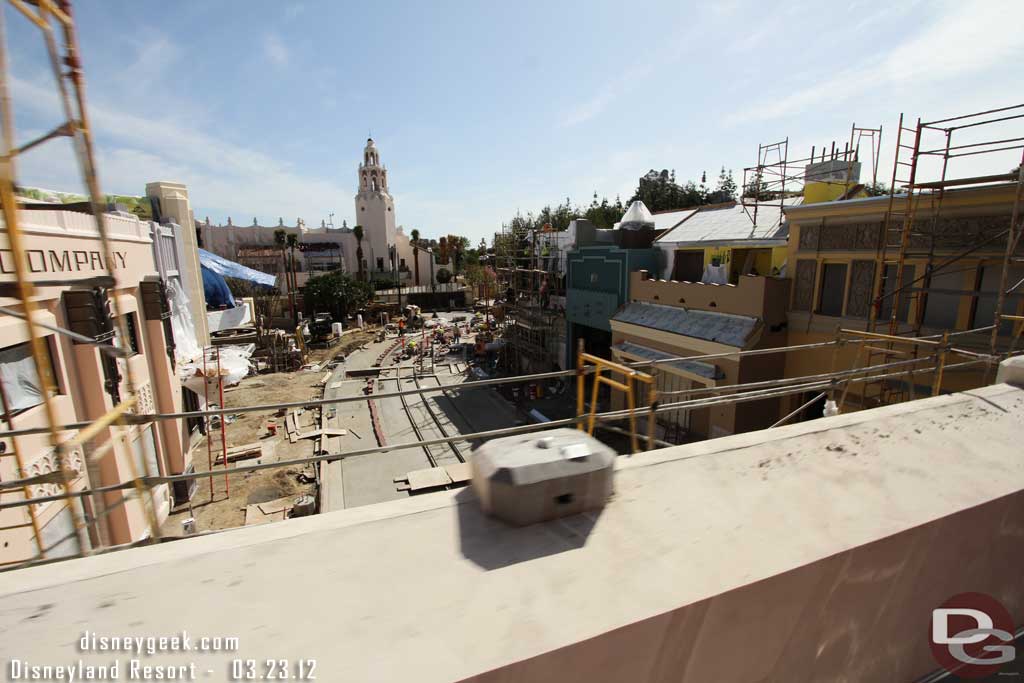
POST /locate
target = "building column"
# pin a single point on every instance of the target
(175, 206)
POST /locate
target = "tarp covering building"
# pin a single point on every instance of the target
(226, 268)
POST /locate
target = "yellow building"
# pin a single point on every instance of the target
(951, 276)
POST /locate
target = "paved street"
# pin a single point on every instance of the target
(367, 479)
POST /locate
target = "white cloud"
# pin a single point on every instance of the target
(275, 50)
(591, 108)
(965, 39)
(222, 177)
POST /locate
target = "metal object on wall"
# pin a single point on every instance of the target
(534, 478)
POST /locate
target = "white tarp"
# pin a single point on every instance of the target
(186, 346)
(239, 316)
(234, 366)
(19, 378)
(715, 275)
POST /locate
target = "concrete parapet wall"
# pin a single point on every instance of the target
(755, 295)
(814, 551)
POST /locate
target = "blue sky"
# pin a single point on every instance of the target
(480, 109)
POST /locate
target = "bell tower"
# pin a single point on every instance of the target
(375, 210)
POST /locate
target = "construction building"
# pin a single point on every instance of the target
(531, 271)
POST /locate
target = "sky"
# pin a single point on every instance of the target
(481, 110)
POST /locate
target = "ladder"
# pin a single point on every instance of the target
(891, 273)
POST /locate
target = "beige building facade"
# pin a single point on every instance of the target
(63, 255)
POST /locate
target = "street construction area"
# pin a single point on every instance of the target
(246, 498)
(376, 477)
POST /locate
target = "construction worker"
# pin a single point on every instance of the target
(401, 327)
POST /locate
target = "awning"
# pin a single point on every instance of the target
(694, 367)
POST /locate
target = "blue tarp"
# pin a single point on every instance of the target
(226, 268)
(216, 290)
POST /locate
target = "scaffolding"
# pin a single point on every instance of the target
(531, 269)
(54, 20)
(775, 177)
(911, 230)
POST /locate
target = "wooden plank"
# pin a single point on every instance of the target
(432, 478)
(326, 431)
(270, 511)
(459, 473)
(254, 446)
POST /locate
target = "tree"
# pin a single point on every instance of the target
(876, 189)
(443, 275)
(604, 214)
(337, 294)
(757, 188)
(358, 232)
(414, 239)
(293, 243)
(483, 278)
(456, 247)
(725, 190)
(281, 240)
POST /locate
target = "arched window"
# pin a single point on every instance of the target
(374, 184)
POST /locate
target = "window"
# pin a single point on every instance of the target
(904, 296)
(942, 300)
(833, 286)
(133, 336)
(401, 264)
(988, 286)
(18, 378)
(380, 263)
(190, 403)
(688, 266)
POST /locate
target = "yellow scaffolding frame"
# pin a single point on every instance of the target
(629, 376)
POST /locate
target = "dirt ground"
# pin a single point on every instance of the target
(249, 488)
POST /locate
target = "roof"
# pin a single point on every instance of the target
(806, 530)
(694, 367)
(724, 328)
(730, 222)
(670, 219)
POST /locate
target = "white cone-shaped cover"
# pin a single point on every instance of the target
(636, 217)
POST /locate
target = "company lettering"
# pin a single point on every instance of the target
(62, 261)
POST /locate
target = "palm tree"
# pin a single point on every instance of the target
(281, 240)
(358, 232)
(293, 243)
(415, 239)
